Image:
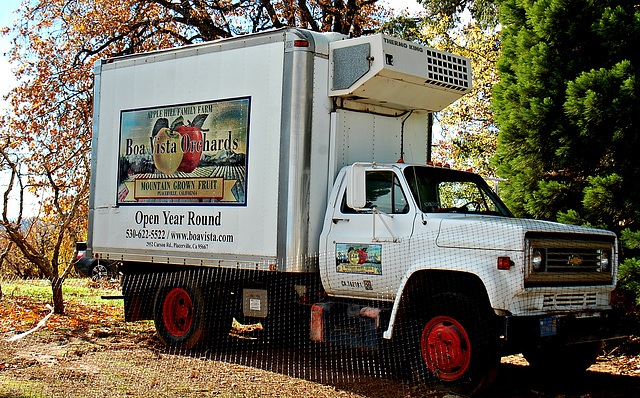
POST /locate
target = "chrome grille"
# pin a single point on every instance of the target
(564, 259)
(570, 259)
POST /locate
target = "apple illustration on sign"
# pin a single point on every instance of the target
(192, 141)
(167, 150)
(357, 256)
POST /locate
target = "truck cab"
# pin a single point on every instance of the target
(437, 248)
(399, 212)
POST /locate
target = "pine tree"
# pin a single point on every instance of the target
(568, 107)
(568, 110)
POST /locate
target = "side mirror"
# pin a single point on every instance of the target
(356, 186)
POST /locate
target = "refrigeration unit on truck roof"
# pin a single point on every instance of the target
(394, 73)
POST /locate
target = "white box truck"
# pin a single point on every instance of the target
(280, 178)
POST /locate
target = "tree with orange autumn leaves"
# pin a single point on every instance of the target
(45, 137)
(468, 135)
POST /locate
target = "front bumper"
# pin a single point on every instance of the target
(521, 332)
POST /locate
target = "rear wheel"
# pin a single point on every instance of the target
(454, 348)
(179, 315)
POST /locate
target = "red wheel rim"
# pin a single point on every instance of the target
(177, 312)
(445, 348)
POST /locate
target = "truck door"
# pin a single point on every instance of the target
(365, 247)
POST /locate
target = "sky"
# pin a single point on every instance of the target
(6, 77)
(7, 81)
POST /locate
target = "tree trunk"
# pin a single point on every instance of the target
(58, 298)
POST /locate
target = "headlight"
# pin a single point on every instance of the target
(537, 260)
(604, 261)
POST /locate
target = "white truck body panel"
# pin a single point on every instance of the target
(151, 84)
(363, 137)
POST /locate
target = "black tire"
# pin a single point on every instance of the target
(562, 359)
(99, 272)
(454, 347)
(179, 314)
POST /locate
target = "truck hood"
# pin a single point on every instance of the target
(496, 233)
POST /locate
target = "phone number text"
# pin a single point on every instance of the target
(132, 233)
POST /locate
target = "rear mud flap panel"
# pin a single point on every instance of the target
(346, 324)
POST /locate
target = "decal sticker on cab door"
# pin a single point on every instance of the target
(359, 258)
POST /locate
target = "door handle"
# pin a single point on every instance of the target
(335, 220)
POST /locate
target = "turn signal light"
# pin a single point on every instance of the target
(504, 263)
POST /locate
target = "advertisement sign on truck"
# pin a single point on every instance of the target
(185, 154)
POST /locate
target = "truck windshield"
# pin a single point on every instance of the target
(438, 190)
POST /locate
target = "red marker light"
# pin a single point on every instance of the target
(300, 43)
(504, 263)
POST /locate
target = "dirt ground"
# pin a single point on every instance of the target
(96, 354)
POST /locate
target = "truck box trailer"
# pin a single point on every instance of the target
(280, 178)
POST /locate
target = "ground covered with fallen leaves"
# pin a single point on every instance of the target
(91, 352)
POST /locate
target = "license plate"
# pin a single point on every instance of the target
(548, 326)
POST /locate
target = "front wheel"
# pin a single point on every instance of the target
(454, 348)
(446, 348)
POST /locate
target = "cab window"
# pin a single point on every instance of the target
(384, 193)
(440, 190)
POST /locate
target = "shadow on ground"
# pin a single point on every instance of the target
(364, 373)
(522, 382)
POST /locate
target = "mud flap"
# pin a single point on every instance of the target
(346, 324)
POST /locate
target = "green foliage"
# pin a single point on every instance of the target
(571, 217)
(567, 106)
(630, 239)
(402, 26)
(546, 192)
(629, 277)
